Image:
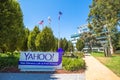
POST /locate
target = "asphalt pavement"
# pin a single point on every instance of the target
(39, 76)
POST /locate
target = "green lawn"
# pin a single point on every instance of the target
(97, 54)
(112, 63)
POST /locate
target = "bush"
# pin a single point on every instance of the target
(6, 60)
(79, 54)
(74, 55)
(16, 52)
(73, 64)
(8, 53)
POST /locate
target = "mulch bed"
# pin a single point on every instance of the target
(10, 69)
(60, 71)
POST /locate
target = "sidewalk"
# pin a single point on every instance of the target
(97, 71)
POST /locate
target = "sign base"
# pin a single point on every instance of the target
(37, 69)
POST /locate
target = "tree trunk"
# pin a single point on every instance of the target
(110, 42)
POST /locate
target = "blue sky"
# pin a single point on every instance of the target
(75, 13)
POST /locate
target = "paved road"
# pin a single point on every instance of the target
(37, 76)
(97, 71)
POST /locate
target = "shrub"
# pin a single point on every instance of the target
(8, 60)
(8, 53)
(73, 64)
(65, 61)
(16, 52)
(79, 54)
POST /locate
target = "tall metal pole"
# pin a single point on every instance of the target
(58, 34)
(60, 13)
(42, 26)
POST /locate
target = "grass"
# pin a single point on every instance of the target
(97, 54)
(112, 62)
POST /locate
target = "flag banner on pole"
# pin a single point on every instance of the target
(60, 13)
(41, 22)
(49, 18)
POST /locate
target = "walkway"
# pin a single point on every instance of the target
(97, 71)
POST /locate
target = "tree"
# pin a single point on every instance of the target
(55, 47)
(25, 47)
(64, 44)
(80, 44)
(89, 40)
(104, 14)
(45, 40)
(32, 38)
(70, 46)
(116, 41)
(11, 25)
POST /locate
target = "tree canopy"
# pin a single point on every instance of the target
(14, 35)
(45, 40)
(32, 38)
(80, 44)
(104, 15)
(64, 44)
(11, 25)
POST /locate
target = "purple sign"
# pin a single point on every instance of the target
(60, 51)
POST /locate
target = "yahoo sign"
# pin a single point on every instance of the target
(30, 61)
